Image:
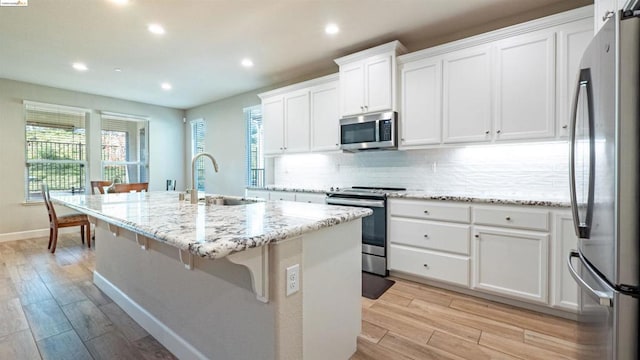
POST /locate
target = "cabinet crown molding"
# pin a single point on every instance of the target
(546, 22)
(394, 46)
(299, 86)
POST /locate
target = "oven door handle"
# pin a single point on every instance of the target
(355, 202)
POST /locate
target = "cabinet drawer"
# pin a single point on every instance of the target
(282, 195)
(310, 198)
(429, 210)
(513, 218)
(442, 267)
(430, 235)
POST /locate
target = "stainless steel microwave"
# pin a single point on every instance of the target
(369, 132)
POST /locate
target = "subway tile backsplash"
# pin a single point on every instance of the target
(519, 171)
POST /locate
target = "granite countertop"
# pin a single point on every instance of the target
(211, 231)
(427, 195)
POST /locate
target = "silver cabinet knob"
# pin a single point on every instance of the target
(426, 266)
(565, 126)
(426, 212)
(476, 235)
(499, 131)
(402, 139)
(426, 236)
(281, 149)
(487, 132)
(508, 218)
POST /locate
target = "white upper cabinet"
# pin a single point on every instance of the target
(524, 70)
(325, 127)
(602, 10)
(296, 110)
(573, 40)
(466, 95)
(367, 79)
(421, 100)
(302, 116)
(273, 123)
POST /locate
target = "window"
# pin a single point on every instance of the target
(56, 149)
(255, 145)
(124, 148)
(198, 130)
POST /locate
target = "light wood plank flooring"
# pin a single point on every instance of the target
(415, 321)
(50, 309)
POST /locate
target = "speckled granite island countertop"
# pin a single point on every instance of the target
(210, 231)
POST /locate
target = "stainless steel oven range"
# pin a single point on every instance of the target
(374, 227)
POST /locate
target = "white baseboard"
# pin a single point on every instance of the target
(167, 337)
(30, 234)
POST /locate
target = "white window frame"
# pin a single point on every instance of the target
(248, 111)
(197, 146)
(143, 151)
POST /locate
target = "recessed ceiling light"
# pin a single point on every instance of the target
(246, 63)
(155, 29)
(80, 66)
(120, 2)
(165, 86)
(332, 29)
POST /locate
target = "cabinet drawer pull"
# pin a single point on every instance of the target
(477, 235)
(499, 131)
(426, 236)
(487, 132)
(426, 266)
(565, 126)
(508, 218)
(426, 212)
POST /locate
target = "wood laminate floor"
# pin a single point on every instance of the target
(50, 309)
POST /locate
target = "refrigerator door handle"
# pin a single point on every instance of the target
(583, 229)
(603, 298)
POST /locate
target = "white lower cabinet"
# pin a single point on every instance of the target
(282, 196)
(260, 194)
(312, 198)
(514, 252)
(513, 263)
(565, 289)
(315, 198)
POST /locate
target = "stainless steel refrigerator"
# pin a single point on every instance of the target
(605, 190)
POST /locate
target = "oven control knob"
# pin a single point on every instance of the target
(331, 188)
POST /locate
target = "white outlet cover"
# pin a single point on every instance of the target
(293, 279)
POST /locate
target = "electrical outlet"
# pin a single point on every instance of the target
(293, 279)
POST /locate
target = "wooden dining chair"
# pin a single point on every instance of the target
(56, 222)
(138, 187)
(99, 184)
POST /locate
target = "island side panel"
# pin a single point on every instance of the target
(208, 312)
(332, 287)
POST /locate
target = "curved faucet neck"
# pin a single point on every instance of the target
(194, 191)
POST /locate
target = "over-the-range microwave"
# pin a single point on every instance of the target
(369, 132)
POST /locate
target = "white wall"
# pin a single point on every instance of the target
(226, 140)
(521, 171)
(166, 144)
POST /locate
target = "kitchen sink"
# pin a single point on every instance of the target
(235, 201)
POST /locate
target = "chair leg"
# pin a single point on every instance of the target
(55, 240)
(50, 237)
(89, 236)
(82, 233)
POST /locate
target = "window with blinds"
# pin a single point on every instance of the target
(56, 149)
(124, 151)
(198, 130)
(255, 146)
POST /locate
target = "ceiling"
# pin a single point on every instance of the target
(205, 40)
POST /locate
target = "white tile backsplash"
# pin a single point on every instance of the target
(523, 171)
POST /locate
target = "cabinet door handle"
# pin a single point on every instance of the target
(426, 212)
(476, 235)
(499, 131)
(280, 148)
(565, 126)
(508, 218)
(487, 132)
(426, 266)
(426, 236)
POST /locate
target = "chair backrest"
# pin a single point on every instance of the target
(120, 188)
(171, 185)
(99, 184)
(47, 202)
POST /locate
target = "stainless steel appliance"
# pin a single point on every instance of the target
(374, 227)
(369, 132)
(605, 190)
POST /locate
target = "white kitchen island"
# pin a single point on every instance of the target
(210, 281)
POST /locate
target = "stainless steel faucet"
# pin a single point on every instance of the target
(194, 190)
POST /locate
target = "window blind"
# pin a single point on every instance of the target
(254, 154)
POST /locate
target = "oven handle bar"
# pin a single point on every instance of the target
(355, 202)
